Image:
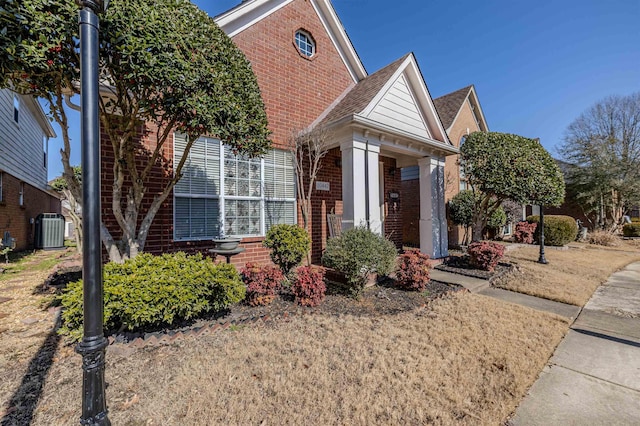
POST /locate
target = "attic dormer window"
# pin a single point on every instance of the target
(305, 43)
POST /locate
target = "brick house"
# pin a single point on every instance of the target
(24, 192)
(309, 75)
(461, 115)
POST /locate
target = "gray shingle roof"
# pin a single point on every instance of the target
(449, 105)
(362, 93)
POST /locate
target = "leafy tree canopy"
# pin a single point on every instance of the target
(461, 207)
(505, 166)
(60, 183)
(164, 61)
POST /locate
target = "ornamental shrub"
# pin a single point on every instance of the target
(308, 287)
(497, 219)
(356, 253)
(263, 283)
(153, 291)
(601, 237)
(631, 230)
(558, 230)
(485, 255)
(413, 271)
(524, 232)
(289, 244)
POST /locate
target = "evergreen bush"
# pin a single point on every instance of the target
(356, 253)
(263, 283)
(153, 291)
(308, 287)
(413, 271)
(524, 232)
(485, 255)
(289, 244)
(631, 230)
(559, 230)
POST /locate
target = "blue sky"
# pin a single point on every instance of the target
(536, 66)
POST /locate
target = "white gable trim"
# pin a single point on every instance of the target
(246, 14)
(418, 88)
(250, 12)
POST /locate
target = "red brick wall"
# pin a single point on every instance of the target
(393, 222)
(17, 219)
(325, 202)
(295, 90)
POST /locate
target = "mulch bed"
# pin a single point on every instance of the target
(379, 300)
(460, 265)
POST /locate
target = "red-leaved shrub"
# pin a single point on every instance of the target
(485, 255)
(413, 271)
(263, 283)
(309, 287)
(524, 232)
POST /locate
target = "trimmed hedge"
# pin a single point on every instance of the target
(558, 230)
(289, 244)
(631, 230)
(154, 291)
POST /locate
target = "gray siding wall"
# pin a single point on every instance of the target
(21, 144)
(398, 109)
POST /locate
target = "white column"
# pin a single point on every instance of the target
(433, 220)
(356, 187)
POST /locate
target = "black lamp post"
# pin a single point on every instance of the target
(93, 345)
(542, 259)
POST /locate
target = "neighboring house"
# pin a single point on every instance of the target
(309, 75)
(24, 192)
(570, 206)
(461, 115)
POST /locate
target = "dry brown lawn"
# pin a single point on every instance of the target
(465, 359)
(571, 275)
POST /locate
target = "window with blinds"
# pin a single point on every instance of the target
(228, 194)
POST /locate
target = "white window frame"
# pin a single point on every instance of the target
(307, 41)
(222, 199)
(16, 109)
(21, 195)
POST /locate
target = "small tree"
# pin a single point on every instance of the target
(603, 147)
(501, 166)
(308, 148)
(461, 210)
(163, 63)
(61, 185)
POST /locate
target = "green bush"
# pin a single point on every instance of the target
(289, 244)
(497, 219)
(357, 253)
(558, 230)
(461, 207)
(153, 291)
(631, 229)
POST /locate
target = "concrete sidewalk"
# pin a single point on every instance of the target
(593, 377)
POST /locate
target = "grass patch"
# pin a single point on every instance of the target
(465, 359)
(571, 275)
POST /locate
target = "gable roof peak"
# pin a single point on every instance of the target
(449, 105)
(249, 12)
